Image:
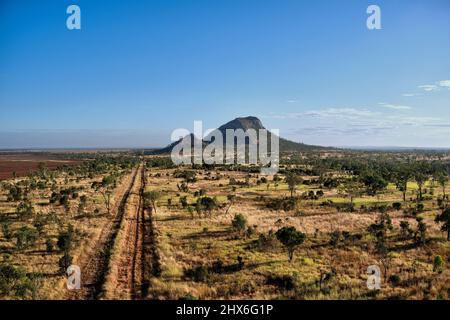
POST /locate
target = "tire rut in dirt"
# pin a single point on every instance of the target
(127, 278)
(138, 283)
(94, 267)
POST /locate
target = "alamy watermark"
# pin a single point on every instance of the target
(73, 21)
(373, 22)
(234, 146)
(374, 278)
(73, 277)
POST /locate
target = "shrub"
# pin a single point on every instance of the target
(285, 204)
(266, 242)
(251, 230)
(25, 237)
(284, 282)
(189, 296)
(6, 230)
(420, 207)
(239, 222)
(39, 223)
(345, 207)
(197, 273)
(49, 245)
(207, 204)
(383, 208)
(240, 263)
(64, 262)
(65, 239)
(183, 201)
(394, 280)
(438, 264)
(421, 232)
(14, 282)
(217, 266)
(405, 229)
(25, 210)
(335, 237)
(397, 206)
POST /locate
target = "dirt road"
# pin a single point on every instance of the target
(125, 255)
(127, 278)
(94, 263)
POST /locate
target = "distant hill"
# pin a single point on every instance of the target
(242, 123)
(246, 123)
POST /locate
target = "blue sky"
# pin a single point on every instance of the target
(138, 70)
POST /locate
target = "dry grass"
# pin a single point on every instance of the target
(186, 243)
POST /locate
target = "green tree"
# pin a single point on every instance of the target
(65, 239)
(405, 229)
(151, 198)
(207, 204)
(444, 218)
(374, 183)
(351, 188)
(26, 237)
(105, 188)
(421, 232)
(401, 179)
(25, 210)
(231, 198)
(379, 230)
(188, 177)
(6, 230)
(14, 282)
(64, 262)
(420, 177)
(292, 180)
(291, 239)
(442, 179)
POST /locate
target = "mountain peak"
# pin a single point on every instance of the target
(244, 123)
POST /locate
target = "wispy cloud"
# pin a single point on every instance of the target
(443, 84)
(350, 130)
(411, 94)
(292, 101)
(394, 106)
(347, 114)
(360, 122)
(339, 113)
(429, 87)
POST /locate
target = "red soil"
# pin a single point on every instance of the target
(22, 164)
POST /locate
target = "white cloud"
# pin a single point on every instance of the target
(429, 87)
(445, 84)
(340, 118)
(394, 106)
(437, 86)
(411, 94)
(342, 113)
(292, 101)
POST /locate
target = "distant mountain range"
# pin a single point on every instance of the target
(246, 123)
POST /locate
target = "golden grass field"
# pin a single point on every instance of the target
(202, 257)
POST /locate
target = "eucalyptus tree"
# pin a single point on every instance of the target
(292, 180)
